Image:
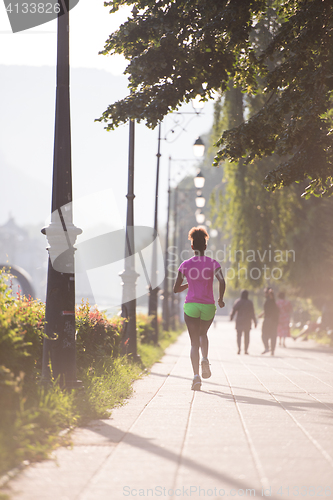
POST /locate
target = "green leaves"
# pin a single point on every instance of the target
(282, 46)
(296, 121)
(173, 48)
(319, 188)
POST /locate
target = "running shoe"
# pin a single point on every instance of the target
(196, 384)
(205, 370)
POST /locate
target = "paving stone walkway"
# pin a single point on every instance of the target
(260, 426)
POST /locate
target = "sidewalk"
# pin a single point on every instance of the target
(260, 426)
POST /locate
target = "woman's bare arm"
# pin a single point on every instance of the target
(178, 287)
(221, 281)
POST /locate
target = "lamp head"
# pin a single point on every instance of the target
(199, 148)
(199, 180)
(197, 103)
(200, 201)
(200, 218)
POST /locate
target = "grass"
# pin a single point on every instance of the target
(323, 338)
(151, 353)
(31, 431)
(105, 388)
(320, 336)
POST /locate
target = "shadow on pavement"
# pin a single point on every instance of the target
(290, 406)
(116, 436)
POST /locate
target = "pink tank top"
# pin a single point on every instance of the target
(199, 272)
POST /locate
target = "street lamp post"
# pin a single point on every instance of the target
(153, 289)
(129, 275)
(197, 104)
(175, 221)
(166, 312)
(59, 345)
(199, 182)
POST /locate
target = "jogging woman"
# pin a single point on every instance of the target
(199, 307)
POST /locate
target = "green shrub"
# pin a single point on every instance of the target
(145, 329)
(21, 338)
(10, 394)
(105, 387)
(97, 336)
(31, 415)
(21, 332)
(33, 429)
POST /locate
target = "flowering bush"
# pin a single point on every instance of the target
(21, 340)
(21, 336)
(97, 336)
(21, 332)
(145, 329)
(31, 415)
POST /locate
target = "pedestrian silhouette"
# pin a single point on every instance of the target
(270, 323)
(283, 328)
(244, 311)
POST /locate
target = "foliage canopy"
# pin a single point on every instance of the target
(180, 48)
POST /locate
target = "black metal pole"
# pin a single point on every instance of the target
(166, 311)
(129, 275)
(174, 298)
(153, 289)
(181, 245)
(61, 233)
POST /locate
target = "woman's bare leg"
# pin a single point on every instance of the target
(193, 326)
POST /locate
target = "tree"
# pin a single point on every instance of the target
(255, 224)
(179, 48)
(273, 238)
(311, 275)
(295, 121)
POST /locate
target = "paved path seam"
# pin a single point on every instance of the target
(287, 355)
(307, 434)
(180, 458)
(255, 456)
(256, 417)
(302, 388)
(126, 433)
(308, 373)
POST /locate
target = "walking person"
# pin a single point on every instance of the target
(270, 323)
(199, 307)
(244, 311)
(283, 328)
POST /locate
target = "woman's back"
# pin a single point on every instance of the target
(199, 272)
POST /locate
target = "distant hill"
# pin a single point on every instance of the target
(27, 102)
(99, 159)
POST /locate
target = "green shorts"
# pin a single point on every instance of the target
(206, 312)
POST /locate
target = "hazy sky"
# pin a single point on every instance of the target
(90, 25)
(99, 159)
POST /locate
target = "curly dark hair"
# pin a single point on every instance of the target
(199, 238)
